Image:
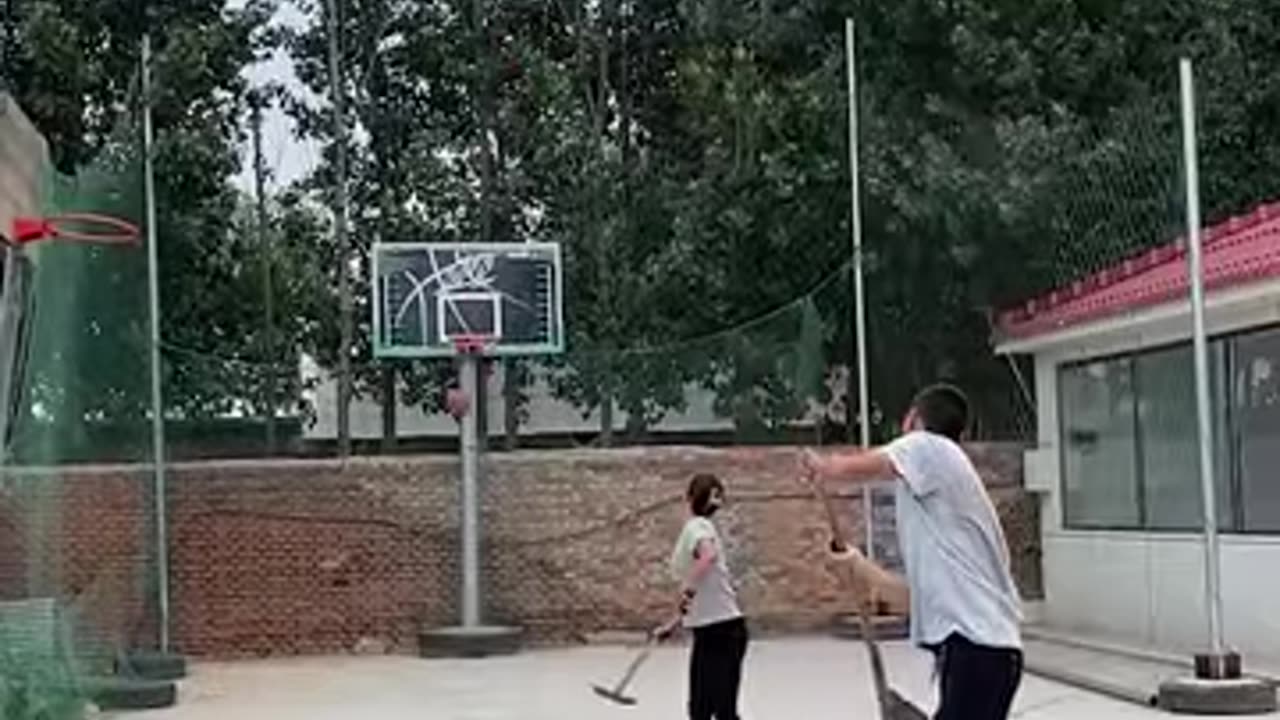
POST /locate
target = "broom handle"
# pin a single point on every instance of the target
(892, 589)
(839, 544)
(632, 668)
(654, 637)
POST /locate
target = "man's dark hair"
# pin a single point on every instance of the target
(943, 409)
(701, 488)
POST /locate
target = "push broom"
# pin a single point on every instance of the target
(617, 693)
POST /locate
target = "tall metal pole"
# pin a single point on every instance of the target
(470, 428)
(157, 398)
(1212, 579)
(860, 314)
(346, 330)
(264, 246)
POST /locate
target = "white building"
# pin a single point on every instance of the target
(1117, 458)
(545, 413)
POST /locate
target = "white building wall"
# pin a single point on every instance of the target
(546, 415)
(545, 412)
(1148, 588)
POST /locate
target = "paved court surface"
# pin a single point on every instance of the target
(786, 679)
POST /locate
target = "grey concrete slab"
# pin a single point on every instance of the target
(1120, 675)
(811, 678)
(1263, 666)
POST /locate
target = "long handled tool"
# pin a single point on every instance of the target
(892, 705)
(618, 693)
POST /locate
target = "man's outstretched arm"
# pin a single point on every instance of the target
(875, 584)
(849, 465)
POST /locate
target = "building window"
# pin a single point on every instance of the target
(1100, 450)
(1130, 453)
(1255, 375)
(1169, 441)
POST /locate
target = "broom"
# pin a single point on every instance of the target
(892, 705)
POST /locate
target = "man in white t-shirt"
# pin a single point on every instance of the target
(964, 604)
(709, 605)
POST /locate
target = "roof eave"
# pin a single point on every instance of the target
(1231, 308)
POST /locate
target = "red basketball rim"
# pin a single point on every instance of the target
(471, 344)
(77, 227)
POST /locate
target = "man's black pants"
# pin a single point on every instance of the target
(715, 670)
(977, 682)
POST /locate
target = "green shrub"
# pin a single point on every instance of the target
(36, 686)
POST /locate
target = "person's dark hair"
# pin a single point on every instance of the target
(943, 409)
(701, 488)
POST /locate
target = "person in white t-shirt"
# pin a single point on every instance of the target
(709, 605)
(964, 604)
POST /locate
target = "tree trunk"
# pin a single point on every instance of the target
(635, 422)
(268, 294)
(636, 427)
(512, 369)
(512, 384)
(346, 303)
(608, 322)
(389, 402)
(606, 420)
(484, 65)
(625, 114)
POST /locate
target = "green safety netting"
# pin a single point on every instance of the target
(78, 595)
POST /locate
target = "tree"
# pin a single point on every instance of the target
(396, 161)
(691, 159)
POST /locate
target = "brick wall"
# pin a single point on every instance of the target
(297, 557)
(84, 537)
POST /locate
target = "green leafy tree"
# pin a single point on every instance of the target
(692, 160)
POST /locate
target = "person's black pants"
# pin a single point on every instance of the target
(977, 682)
(715, 670)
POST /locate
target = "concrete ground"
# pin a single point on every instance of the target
(811, 678)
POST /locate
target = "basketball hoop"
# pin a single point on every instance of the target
(76, 227)
(471, 344)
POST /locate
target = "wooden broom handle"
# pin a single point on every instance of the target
(892, 590)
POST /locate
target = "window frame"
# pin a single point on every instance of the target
(1237, 438)
(1232, 441)
(1062, 449)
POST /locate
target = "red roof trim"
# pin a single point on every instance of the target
(1241, 250)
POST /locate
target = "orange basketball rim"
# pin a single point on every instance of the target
(76, 227)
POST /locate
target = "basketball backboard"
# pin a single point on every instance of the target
(427, 295)
(23, 160)
(24, 157)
